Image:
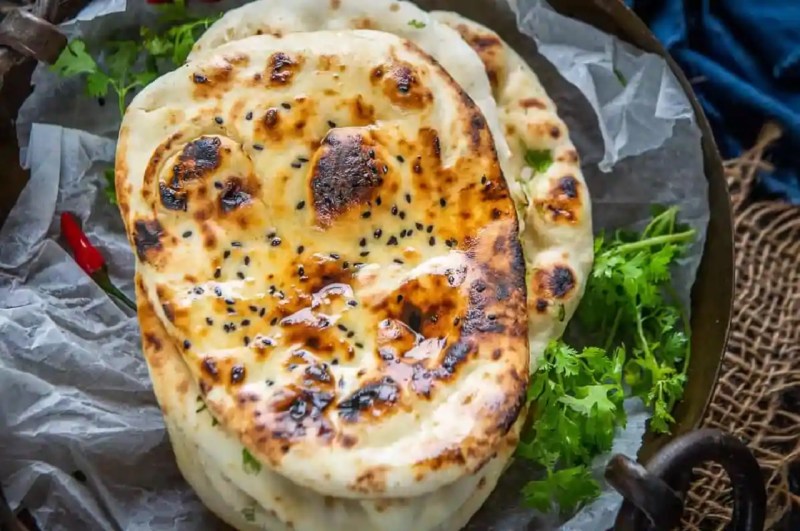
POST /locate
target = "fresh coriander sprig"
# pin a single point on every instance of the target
(575, 396)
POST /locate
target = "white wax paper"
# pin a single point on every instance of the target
(84, 446)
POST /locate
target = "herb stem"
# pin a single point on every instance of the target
(614, 325)
(658, 240)
(640, 332)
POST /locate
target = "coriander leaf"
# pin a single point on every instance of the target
(539, 159)
(249, 463)
(121, 58)
(249, 514)
(111, 194)
(97, 84)
(74, 60)
(155, 44)
(414, 23)
(621, 78)
(568, 488)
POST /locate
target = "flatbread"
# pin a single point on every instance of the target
(335, 253)
(553, 205)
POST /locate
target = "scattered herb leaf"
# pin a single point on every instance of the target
(414, 23)
(249, 514)
(621, 78)
(250, 464)
(539, 159)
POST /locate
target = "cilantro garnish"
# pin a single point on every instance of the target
(539, 159)
(249, 513)
(414, 23)
(576, 396)
(249, 463)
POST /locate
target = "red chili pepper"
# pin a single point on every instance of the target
(89, 258)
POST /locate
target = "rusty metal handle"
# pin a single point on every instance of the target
(654, 494)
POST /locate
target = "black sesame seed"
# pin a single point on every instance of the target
(291, 367)
(253, 308)
(409, 233)
(240, 275)
(286, 105)
(275, 242)
(198, 290)
(364, 253)
(371, 153)
(247, 260)
(432, 241)
(272, 290)
(358, 264)
(359, 345)
(301, 271)
(246, 322)
(261, 312)
(246, 342)
(483, 180)
(385, 169)
(335, 361)
(226, 254)
(270, 383)
(419, 226)
(378, 201)
(480, 288)
(231, 310)
(345, 265)
(352, 303)
(271, 234)
(230, 302)
(491, 317)
(296, 164)
(281, 295)
(377, 234)
(408, 198)
(236, 244)
(398, 261)
(456, 321)
(218, 291)
(217, 273)
(341, 327)
(258, 147)
(403, 233)
(400, 158)
(366, 214)
(218, 185)
(274, 321)
(402, 215)
(249, 115)
(187, 234)
(219, 120)
(449, 243)
(429, 229)
(209, 321)
(394, 210)
(335, 256)
(199, 78)
(442, 202)
(350, 334)
(392, 241)
(186, 344)
(362, 242)
(399, 298)
(301, 205)
(331, 124)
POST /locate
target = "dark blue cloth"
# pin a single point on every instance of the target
(744, 59)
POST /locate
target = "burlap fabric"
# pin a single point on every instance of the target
(758, 394)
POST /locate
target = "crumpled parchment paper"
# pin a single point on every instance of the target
(84, 446)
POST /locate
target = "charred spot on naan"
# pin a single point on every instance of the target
(403, 84)
(489, 48)
(214, 77)
(370, 401)
(556, 283)
(147, 238)
(281, 67)
(564, 201)
(347, 172)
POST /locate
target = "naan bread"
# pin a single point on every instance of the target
(326, 243)
(553, 205)
(555, 208)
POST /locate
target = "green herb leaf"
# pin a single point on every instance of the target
(111, 191)
(250, 464)
(74, 60)
(568, 488)
(414, 23)
(539, 159)
(621, 78)
(249, 513)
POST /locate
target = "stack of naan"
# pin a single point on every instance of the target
(347, 264)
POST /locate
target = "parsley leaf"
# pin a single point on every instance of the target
(249, 513)
(414, 23)
(539, 159)
(74, 60)
(576, 397)
(249, 463)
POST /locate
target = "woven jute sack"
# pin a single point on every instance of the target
(758, 394)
